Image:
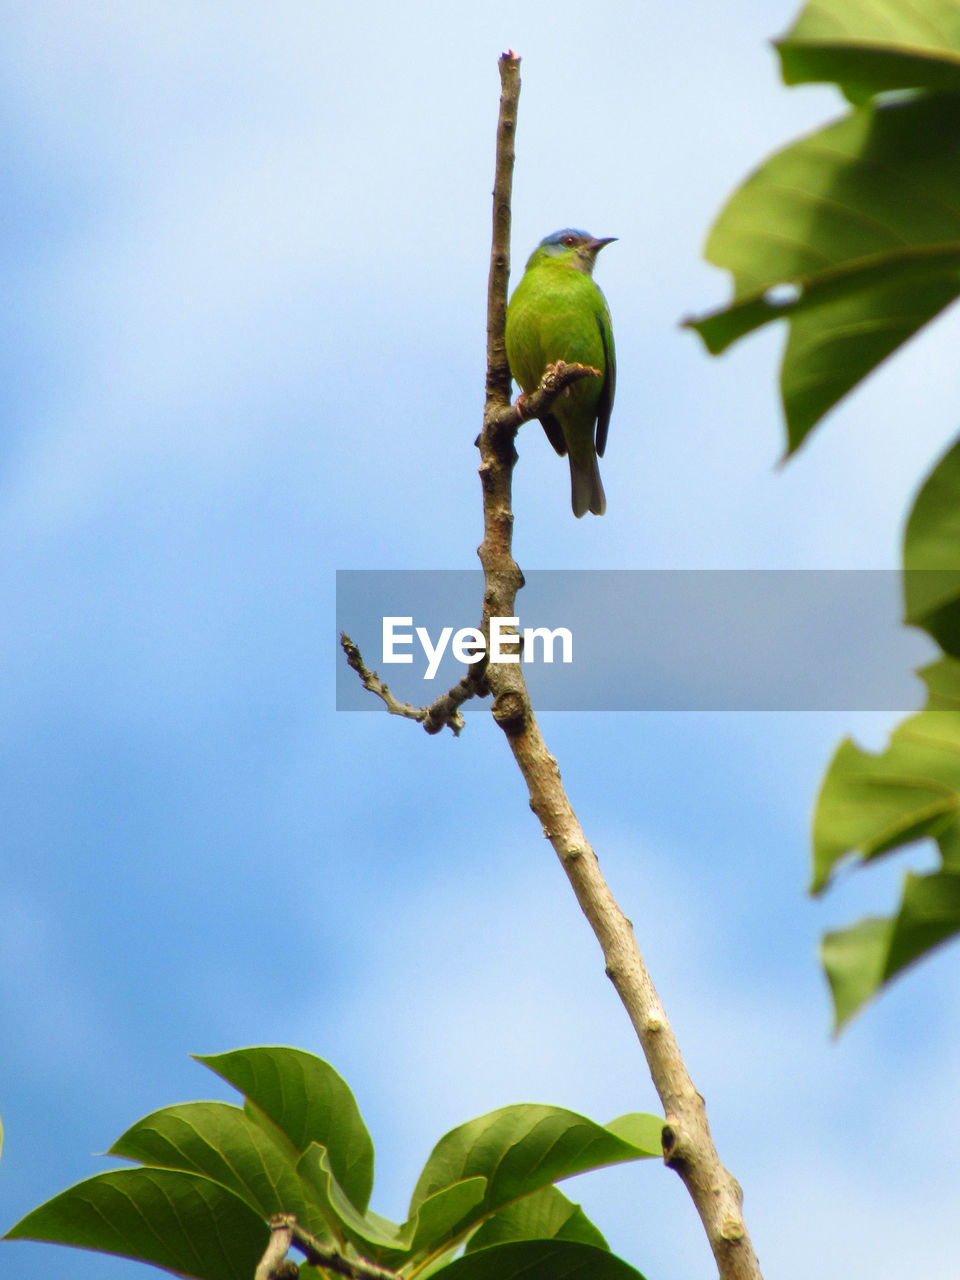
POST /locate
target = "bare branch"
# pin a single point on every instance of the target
(441, 713)
(688, 1146)
(285, 1228)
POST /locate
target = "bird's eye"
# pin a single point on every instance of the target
(569, 241)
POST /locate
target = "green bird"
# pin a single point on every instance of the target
(557, 312)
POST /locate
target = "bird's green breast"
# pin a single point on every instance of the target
(556, 314)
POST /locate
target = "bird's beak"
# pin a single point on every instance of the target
(594, 246)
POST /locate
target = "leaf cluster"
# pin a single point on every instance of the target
(852, 235)
(209, 1176)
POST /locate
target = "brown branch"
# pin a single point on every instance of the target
(687, 1144)
(286, 1231)
(442, 712)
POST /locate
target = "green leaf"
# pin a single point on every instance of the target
(310, 1102)
(872, 46)
(378, 1238)
(931, 554)
(539, 1260)
(854, 960)
(179, 1221)
(861, 959)
(860, 222)
(511, 1158)
(438, 1215)
(545, 1215)
(640, 1130)
(942, 679)
(872, 803)
(367, 1232)
(520, 1149)
(224, 1144)
(929, 915)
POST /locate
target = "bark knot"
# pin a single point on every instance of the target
(510, 712)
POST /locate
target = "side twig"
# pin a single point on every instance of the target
(442, 712)
(687, 1145)
(556, 378)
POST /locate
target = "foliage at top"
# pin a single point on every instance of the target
(868, 48)
(851, 234)
(210, 1175)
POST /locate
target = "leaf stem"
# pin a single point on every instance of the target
(285, 1232)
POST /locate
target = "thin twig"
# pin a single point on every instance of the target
(286, 1231)
(688, 1146)
(441, 713)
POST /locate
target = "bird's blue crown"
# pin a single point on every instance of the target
(556, 240)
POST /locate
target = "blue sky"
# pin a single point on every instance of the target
(243, 348)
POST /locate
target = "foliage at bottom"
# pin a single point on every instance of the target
(209, 1176)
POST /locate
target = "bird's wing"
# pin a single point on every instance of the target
(554, 433)
(605, 403)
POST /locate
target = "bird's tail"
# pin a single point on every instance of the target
(586, 491)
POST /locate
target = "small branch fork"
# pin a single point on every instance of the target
(286, 1232)
(687, 1145)
(443, 712)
